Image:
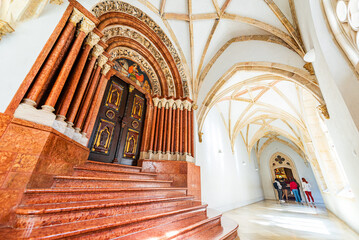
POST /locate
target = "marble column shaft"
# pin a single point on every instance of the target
(165, 130)
(75, 77)
(153, 128)
(173, 139)
(160, 132)
(50, 64)
(185, 132)
(178, 126)
(86, 27)
(169, 130)
(97, 50)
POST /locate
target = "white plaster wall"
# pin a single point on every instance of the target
(19, 50)
(228, 180)
(302, 169)
(340, 89)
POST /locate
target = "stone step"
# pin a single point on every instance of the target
(181, 229)
(226, 231)
(93, 172)
(107, 227)
(95, 182)
(111, 166)
(40, 215)
(60, 195)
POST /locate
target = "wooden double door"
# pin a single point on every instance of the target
(118, 130)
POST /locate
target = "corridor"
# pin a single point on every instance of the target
(267, 220)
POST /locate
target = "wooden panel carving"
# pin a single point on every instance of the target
(114, 96)
(103, 137)
(137, 107)
(131, 144)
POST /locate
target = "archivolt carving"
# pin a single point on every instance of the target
(124, 52)
(118, 6)
(123, 31)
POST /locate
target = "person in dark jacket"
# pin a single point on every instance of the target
(278, 186)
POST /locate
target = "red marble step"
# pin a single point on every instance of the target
(94, 182)
(111, 166)
(92, 172)
(60, 213)
(227, 231)
(179, 229)
(108, 227)
(59, 195)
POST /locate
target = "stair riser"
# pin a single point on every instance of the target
(26, 221)
(111, 167)
(110, 233)
(73, 183)
(202, 228)
(232, 236)
(89, 173)
(74, 197)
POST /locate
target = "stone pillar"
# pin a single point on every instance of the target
(173, 139)
(96, 52)
(87, 99)
(178, 126)
(32, 97)
(160, 129)
(165, 126)
(181, 133)
(169, 127)
(157, 133)
(86, 27)
(153, 127)
(192, 135)
(91, 41)
(185, 132)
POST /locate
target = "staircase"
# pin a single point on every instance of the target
(112, 201)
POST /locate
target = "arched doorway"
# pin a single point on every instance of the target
(283, 168)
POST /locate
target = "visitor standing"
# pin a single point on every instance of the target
(294, 188)
(278, 186)
(307, 189)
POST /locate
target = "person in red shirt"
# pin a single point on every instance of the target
(294, 188)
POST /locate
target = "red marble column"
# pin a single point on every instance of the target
(178, 127)
(180, 150)
(173, 140)
(153, 128)
(86, 27)
(73, 81)
(102, 81)
(192, 135)
(185, 131)
(189, 132)
(33, 96)
(169, 130)
(146, 137)
(157, 132)
(160, 132)
(88, 97)
(97, 51)
(165, 130)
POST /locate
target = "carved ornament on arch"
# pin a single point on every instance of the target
(118, 6)
(124, 52)
(123, 31)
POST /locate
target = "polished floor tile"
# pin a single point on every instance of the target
(267, 220)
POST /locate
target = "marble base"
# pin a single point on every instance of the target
(30, 113)
(167, 156)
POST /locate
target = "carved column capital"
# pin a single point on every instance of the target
(92, 39)
(76, 16)
(102, 60)
(105, 69)
(323, 109)
(57, 2)
(5, 28)
(87, 25)
(155, 101)
(97, 51)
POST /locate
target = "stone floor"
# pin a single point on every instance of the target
(270, 220)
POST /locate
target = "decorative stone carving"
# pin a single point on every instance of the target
(309, 68)
(200, 134)
(76, 16)
(57, 2)
(123, 52)
(92, 40)
(102, 60)
(123, 31)
(87, 25)
(105, 69)
(97, 51)
(5, 28)
(323, 109)
(118, 6)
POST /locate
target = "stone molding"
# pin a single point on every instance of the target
(97, 51)
(102, 60)
(92, 39)
(172, 103)
(167, 156)
(118, 6)
(5, 28)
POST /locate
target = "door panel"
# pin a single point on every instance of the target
(104, 140)
(132, 124)
(119, 125)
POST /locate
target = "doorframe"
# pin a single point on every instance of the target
(149, 105)
(291, 166)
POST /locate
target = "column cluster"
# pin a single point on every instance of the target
(170, 130)
(70, 80)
